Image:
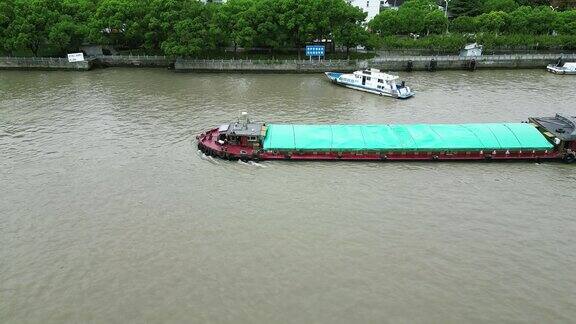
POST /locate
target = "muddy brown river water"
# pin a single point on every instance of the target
(108, 214)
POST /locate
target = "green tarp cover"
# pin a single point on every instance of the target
(404, 137)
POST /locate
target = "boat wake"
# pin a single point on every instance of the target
(207, 158)
(252, 164)
(259, 165)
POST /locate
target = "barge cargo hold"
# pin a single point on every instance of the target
(544, 138)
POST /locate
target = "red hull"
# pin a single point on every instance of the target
(207, 143)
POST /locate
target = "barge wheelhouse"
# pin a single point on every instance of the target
(542, 138)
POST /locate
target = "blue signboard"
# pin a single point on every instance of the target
(315, 50)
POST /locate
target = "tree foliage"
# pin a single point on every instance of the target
(413, 17)
(492, 22)
(6, 17)
(454, 42)
(464, 24)
(176, 27)
(465, 7)
(386, 23)
(499, 5)
(539, 20)
(31, 24)
(565, 22)
(190, 28)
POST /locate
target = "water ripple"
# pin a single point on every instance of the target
(109, 213)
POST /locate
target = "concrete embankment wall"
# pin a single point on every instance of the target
(270, 66)
(134, 61)
(395, 63)
(43, 63)
(388, 63)
(453, 62)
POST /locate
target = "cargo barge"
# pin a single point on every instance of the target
(540, 138)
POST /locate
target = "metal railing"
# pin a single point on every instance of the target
(416, 58)
(34, 60)
(494, 57)
(325, 62)
(133, 57)
(263, 62)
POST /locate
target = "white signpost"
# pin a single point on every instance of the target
(76, 57)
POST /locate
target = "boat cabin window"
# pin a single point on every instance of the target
(380, 81)
(252, 138)
(367, 72)
(368, 78)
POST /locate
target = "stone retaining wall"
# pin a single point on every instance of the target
(43, 63)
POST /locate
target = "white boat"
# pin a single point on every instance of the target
(372, 81)
(567, 68)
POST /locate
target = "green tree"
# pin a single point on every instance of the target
(499, 5)
(80, 11)
(492, 22)
(541, 20)
(519, 20)
(327, 16)
(565, 22)
(189, 33)
(217, 36)
(6, 17)
(119, 22)
(70, 30)
(464, 24)
(349, 31)
(235, 20)
(31, 24)
(385, 23)
(158, 21)
(266, 22)
(534, 3)
(295, 22)
(321, 14)
(66, 35)
(436, 22)
(412, 16)
(465, 7)
(351, 36)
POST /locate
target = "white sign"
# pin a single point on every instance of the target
(76, 57)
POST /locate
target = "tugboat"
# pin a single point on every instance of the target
(541, 138)
(373, 81)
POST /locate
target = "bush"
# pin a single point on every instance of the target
(435, 43)
(451, 44)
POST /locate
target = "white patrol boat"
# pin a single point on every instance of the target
(372, 81)
(567, 68)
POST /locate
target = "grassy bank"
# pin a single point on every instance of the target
(452, 43)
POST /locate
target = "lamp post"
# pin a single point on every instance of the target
(446, 14)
